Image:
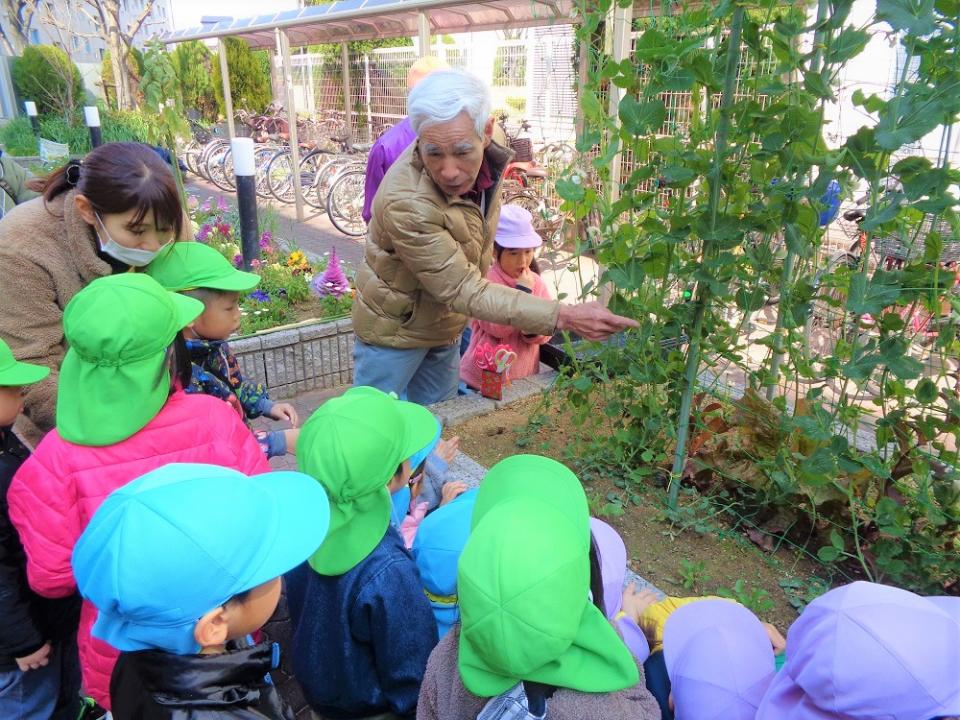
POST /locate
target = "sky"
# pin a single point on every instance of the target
(187, 13)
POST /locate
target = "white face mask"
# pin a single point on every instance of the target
(134, 257)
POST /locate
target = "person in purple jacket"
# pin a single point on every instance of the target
(394, 141)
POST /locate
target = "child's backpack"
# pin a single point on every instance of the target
(524, 701)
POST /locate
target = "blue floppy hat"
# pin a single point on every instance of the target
(425, 451)
(436, 550)
(181, 540)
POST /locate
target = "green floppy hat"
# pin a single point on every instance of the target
(192, 265)
(523, 582)
(353, 445)
(114, 378)
(13, 372)
(537, 477)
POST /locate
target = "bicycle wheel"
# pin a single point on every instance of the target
(208, 149)
(546, 222)
(261, 159)
(214, 166)
(345, 203)
(280, 176)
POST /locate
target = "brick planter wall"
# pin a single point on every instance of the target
(294, 359)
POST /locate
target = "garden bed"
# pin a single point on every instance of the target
(699, 556)
(293, 359)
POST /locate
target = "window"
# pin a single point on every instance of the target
(86, 46)
(34, 37)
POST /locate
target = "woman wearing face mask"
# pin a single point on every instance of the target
(109, 213)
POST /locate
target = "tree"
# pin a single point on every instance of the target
(134, 64)
(47, 76)
(15, 32)
(249, 77)
(192, 63)
(105, 16)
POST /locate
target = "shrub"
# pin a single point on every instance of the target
(249, 77)
(47, 76)
(192, 63)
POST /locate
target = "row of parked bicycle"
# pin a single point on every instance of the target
(332, 171)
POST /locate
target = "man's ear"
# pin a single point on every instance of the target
(488, 132)
(84, 209)
(211, 630)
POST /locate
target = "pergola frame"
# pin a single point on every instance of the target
(349, 20)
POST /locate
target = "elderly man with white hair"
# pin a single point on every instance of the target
(430, 243)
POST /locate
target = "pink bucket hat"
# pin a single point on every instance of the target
(515, 229)
(613, 570)
(719, 660)
(866, 651)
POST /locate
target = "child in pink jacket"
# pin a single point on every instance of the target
(514, 248)
(120, 414)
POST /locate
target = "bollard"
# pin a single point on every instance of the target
(31, 107)
(92, 115)
(244, 169)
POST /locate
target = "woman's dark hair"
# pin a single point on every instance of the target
(596, 578)
(498, 251)
(119, 177)
(181, 367)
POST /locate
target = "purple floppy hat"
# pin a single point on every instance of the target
(613, 570)
(719, 659)
(866, 651)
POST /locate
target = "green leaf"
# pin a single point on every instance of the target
(836, 539)
(849, 43)
(676, 176)
(870, 297)
(641, 118)
(828, 553)
(571, 188)
(914, 16)
(893, 354)
(926, 391)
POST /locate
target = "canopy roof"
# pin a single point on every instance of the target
(348, 20)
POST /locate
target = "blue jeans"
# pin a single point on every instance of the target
(52, 691)
(425, 375)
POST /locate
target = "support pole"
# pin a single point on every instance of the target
(621, 21)
(227, 98)
(423, 33)
(347, 86)
(245, 171)
(583, 75)
(283, 45)
(31, 107)
(92, 117)
(369, 89)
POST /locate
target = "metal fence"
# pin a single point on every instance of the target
(531, 78)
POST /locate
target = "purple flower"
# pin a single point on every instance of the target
(238, 260)
(222, 204)
(204, 232)
(265, 239)
(206, 205)
(192, 202)
(259, 296)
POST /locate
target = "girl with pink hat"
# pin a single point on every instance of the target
(514, 250)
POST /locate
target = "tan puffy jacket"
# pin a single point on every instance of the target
(425, 260)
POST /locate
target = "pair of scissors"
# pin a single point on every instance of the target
(483, 356)
(504, 358)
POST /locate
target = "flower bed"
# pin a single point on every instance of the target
(291, 289)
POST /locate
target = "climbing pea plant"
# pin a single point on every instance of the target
(805, 378)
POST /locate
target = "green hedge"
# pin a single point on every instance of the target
(17, 135)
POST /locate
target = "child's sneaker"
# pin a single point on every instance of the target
(89, 710)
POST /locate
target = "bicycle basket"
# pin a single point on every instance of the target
(905, 247)
(523, 147)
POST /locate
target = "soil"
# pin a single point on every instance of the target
(657, 550)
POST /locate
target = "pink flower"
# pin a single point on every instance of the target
(206, 204)
(204, 232)
(256, 264)
(333, 281)
(222, 204)
(193, 202)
